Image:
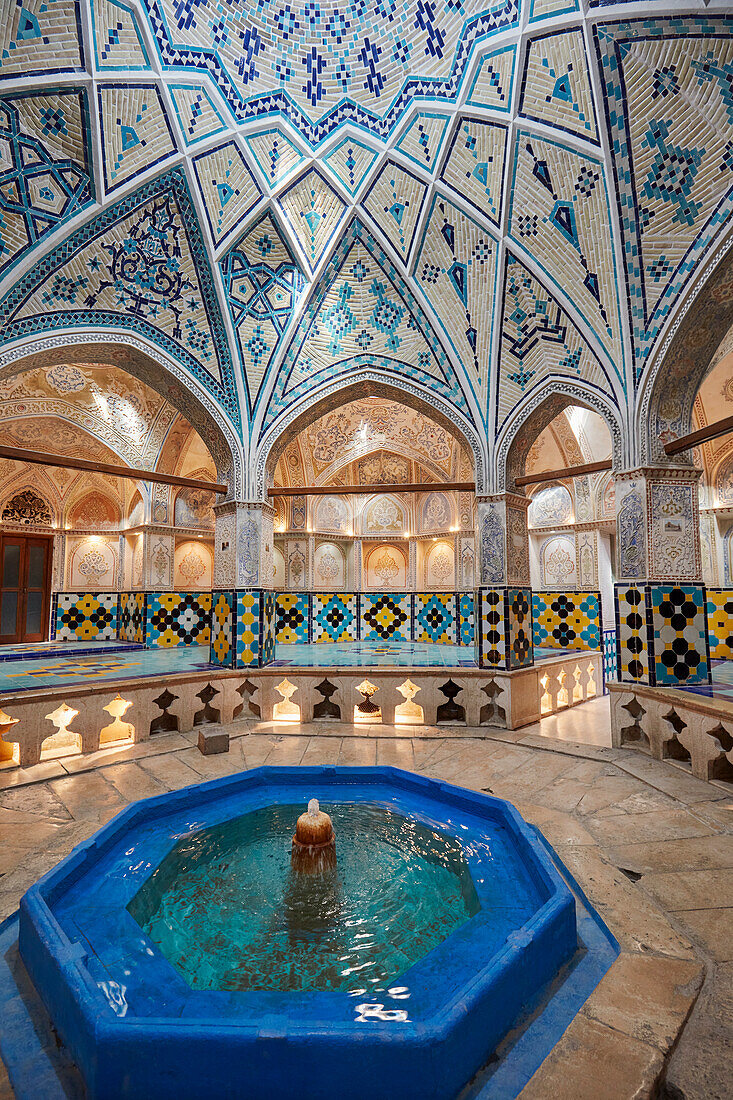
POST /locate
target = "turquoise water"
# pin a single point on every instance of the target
(373, 653)
(230, 912)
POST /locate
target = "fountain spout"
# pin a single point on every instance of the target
(314, 828)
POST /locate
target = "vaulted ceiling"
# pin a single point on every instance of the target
(471, 199)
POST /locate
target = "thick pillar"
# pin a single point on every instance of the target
(660, 601)
(503, 602)
(243, 605)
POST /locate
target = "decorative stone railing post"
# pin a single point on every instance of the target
(660, 599)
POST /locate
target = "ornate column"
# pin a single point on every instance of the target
(357, 559)
(412, 565)
(243, 605)
(503, 602)
(660, 600)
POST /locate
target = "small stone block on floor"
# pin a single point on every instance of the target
(213, 741)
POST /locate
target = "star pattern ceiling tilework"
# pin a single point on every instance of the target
(361, 314)
(350, 162)
(537, 339)
(556, 85)
(494, 79)
(560, 214)
(275, 154)
(541, 9)
(136, 134)
(423, 138)
(118, 43)
(263, 283)
(197, 116)
(321, 64)
(669, 107)
(45, 173)
(228, 188)
(395, 201)
(474, 164)
(40, 37)
(456, 268)
(398, 121)
(314, 212)
(140, 265)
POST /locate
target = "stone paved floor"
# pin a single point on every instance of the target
(651, 847)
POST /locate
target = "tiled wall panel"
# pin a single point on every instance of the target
(720, 622)
(334, 617)
(86, 616)
(567, 620)
(178, 619)
(435, 618)
(386, 616)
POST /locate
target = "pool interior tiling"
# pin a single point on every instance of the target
(61, 665)
(371, 653)
(26, 674)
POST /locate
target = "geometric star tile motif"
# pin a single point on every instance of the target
(492, 85)
(140, 265)
(178, 619)
(197, 116)
(504, 627)
(423, 138)
(117, 40)
(632, 633)
(350, 161)
(680, 636)
(538, 340)
(556, 87)
(669, 84)
(323, 65)
(292, 610)
(227, 187)
(560, 213)
(136, 133)
(44, 167)
(276, 155)
(519, 613)
(263, 283)
(456, 269)
(435, 617)
(567, 620)
(386, 616)
(474, 164)
(334, 617)
(222, 628)
(314, 212)
(395, 200)
(720, 622)
(33, 31)
(87, 616)
(360, 312)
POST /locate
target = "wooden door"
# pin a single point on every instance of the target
(25, 588)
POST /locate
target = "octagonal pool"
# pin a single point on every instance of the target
(181, 954)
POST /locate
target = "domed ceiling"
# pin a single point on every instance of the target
(270, 197)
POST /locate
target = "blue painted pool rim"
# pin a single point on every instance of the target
(282, 1044)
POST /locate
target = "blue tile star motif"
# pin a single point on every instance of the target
(263, 284)
(45, 174)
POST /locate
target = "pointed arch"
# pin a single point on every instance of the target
(367, 383)
(148, 363)
(520, 432)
